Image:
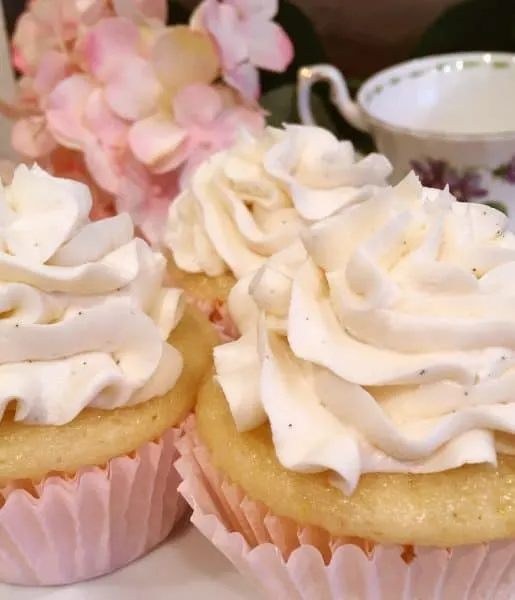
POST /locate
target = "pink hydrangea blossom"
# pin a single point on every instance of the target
(247, 38)
(200, 122)
(113, 97)
(30, 135)
(57, 24)
(125, 84)
(48, 46)
(146, 196)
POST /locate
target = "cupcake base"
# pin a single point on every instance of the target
(293, 562)
(209, 294)
(69, 529)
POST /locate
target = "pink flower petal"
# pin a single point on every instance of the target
(256, 9)
(65, 111)
(109, 43)
(155, 139)
(220, 134)
(61, 17)
(153, 9)
(52, 12)
(269, 46)
(149, 10)
(191, 165)
(245, 79)
(31, 138)
(196, 104)
(52, 69)
(108, 127)
(182, 56)
(224, 24)
(91, 11)
(29, 42)
(133, 91)
(241, 117)
(26, 95)
(102, 166)
(133, 191)
(146, 198)
(197, 17)
(175, 160)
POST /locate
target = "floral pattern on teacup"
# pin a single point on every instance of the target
(465, 185)
(436, 173)
(506, 171)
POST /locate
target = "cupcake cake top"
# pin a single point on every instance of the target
(246, 203)
(84, 317)
(384, 341)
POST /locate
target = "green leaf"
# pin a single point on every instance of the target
(473, 25)
(177, 13)
(501, 171)
(281, 103)
(498, 205)
(308, 48)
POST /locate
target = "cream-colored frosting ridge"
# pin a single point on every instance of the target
(383, 341)
(248, 202)
(84, 317)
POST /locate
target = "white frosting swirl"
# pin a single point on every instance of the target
(83, 315)
(248, 202)
(383, 342)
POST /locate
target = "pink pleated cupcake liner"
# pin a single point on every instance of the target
(218, 315)
(291, 562)
(77, 528)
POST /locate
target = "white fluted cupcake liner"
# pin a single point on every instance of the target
(291, 562)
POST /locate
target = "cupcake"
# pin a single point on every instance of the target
(99, 363)
(247, 203)
(357, 441)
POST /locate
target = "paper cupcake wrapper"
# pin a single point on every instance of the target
(291, 562)
(65, 530)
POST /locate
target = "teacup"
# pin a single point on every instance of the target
(451, 118)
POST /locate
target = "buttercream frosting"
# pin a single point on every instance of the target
(250, 201)
(384, 341)
(84, 317)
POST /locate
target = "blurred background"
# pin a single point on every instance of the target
(360, 36)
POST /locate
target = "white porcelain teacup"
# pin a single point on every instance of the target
(449, 117)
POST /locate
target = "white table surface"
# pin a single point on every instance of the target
(186, 567)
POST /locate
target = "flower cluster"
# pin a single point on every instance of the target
(464, 186)
(141, 103)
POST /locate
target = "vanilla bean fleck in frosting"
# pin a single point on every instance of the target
(84, 317)
(384, 341)
(247, 203)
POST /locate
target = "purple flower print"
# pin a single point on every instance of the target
(506, 171)
(467, 186)
(438, 174)
(434, 173)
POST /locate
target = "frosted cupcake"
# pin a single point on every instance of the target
(98, 363)
(357, 441)
(247, 203)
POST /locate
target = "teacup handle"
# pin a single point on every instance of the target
(307, 76)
